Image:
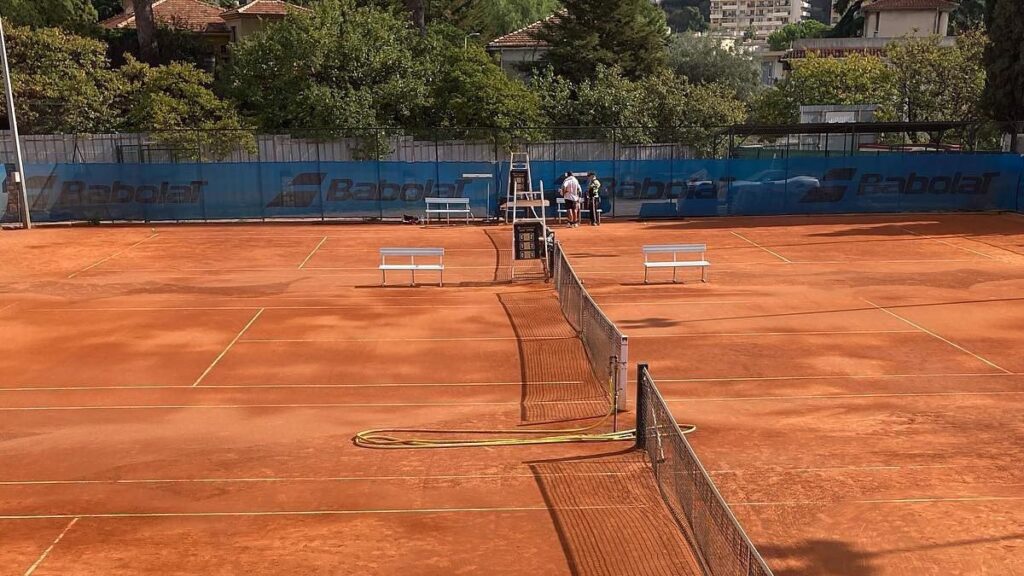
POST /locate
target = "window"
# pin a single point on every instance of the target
(234, 34)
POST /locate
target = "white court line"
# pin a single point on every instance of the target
(466, 339)
(287, 386)
(2, 308)
(225, 351)
(835, 377)
(634, 336)
(254, 307)
(284, 479)
(941, 241)
(595, 399)
(882, 501)
(306, 261)
(846, 396)
(672, 302)
(776, 254)
(933, 334)
(879, 468)
(315, 512)
(118, 253)
(46, 552)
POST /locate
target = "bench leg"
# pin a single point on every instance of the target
(442, 278)
(704, 274)
(646, 269)
(384, 277)
(674, 275)
(413, 276)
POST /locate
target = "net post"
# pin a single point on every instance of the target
(641, 407)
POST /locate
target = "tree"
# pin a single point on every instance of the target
(106, 8)
(926, 89)
(342, 66)
(686, 15)
(468, 90)
(703, 60)
(176, 105)
(691, 114)
(852, 21)
(783, 38)
(70, 14)
(856, 79)
(493, 18)
(62, 82)
(145, 25)
(628, 34)
(969, 15)
(1004, 63)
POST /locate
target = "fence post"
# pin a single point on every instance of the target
(377, 159)
(320, 186)
(642, 402)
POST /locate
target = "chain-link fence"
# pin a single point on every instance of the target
(379, 173)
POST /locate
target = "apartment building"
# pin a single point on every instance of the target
(758, 18)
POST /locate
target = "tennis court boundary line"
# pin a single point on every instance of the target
(289, 386)
(837, 377)
(284, 479)
(229, 346)
(947, 243)
(595, 400)
(952, 499)
(114, 255)
(844, 396)
(352, 512)
(934, 335)
(314, 251)
(42, 557)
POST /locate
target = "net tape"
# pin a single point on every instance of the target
(606, 346)
(689, 491)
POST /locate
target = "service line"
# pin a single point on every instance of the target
(225, 351)
(115, 254)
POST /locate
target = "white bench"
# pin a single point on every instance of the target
(412, 265)
(561, 211)
(675, 262)
(446, 207)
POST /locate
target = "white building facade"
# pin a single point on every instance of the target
(756, 18)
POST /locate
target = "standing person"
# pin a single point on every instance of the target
(573, 194)
(594, 199)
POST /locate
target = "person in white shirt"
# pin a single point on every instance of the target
(573, 194)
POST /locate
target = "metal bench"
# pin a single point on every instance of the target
(412, 265)
(675, 263)
(446, 207)
(560, 210)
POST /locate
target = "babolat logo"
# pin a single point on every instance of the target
(912, 183)
(302, 190)
(654, 189)
(82, 193)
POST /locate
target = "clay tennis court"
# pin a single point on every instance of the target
(182, 399)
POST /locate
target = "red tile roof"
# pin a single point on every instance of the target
(886, 5)
(524, 37)
(264, 8)
(193, 15)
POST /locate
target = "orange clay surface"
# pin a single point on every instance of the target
(857, 381)
(181, 400)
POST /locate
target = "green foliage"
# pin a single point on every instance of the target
(852, 21)
(969, 15)
(493, 18)
(628, 34)
(662, 107)
(1004, 60)
(62, 82)
(686, 15)
(466, 88)
(342, 66)
(106, 8)
(69, 14)
(703, 60)
(173, 45)
(856, 79)
(783, 38)
(175, 103)
(936, 83)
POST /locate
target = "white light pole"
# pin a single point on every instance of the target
(19, 176)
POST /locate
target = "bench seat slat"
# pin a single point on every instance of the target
(680, 264)
(669, 248)
(434, 267)
(412, 251)
(446, 200)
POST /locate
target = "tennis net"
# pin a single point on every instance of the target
(607, 347)
(688, 491)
